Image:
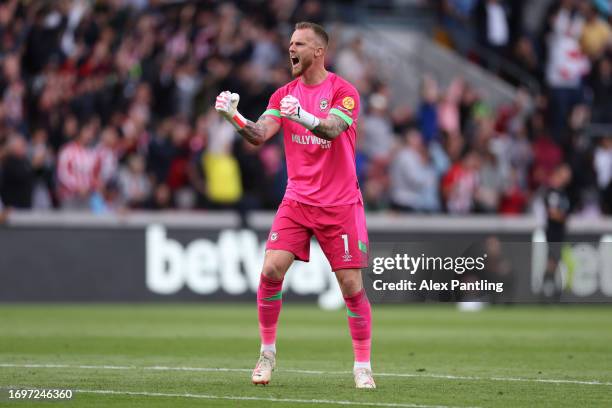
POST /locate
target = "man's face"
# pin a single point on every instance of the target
(87, 134)
(18, 147)
(302, 51)
(561, 177)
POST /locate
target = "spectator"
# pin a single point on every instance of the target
(601, 87)
(514, 199)
(78, 170)
(379, 139)
(223, 179)
(188, 81)
(275, 167)
(161, 151)
(460, 183)
(490, 185)
(161, 198)
(546, 157)
(177, 177)
(378, 144)
(134, 185)
(449, 118)
(43, 161)
(266, 53)
(68, 132)
(603, 169)
(457, 21)
(428, 114)
(493, 21)
(525, 55)
(414, 181)
(596, 34)
(252, 174)
(565, 68)
(521, 156)
(353, 64)
(468, 107)
(17, 175)
(108, 155)
(13, 93)
(578, 155)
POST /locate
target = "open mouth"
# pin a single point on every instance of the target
(295, 61)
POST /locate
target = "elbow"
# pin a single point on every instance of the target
(254, 139)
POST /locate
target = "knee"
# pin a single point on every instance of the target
(273, 270)
(350, 284)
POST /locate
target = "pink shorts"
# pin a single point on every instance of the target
(341, 232)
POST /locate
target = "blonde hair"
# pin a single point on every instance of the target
(316, 28)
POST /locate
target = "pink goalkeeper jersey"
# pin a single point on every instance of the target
(320, 172)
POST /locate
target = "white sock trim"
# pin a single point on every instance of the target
(362, 364)
(268, 347)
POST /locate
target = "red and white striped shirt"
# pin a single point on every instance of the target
(77, 169)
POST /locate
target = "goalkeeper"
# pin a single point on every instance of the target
(318, 112)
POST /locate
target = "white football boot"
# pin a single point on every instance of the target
(263, 370)
(363, 378)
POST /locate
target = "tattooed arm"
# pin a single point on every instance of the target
(258, 132)
(255, 133)
(330, 127)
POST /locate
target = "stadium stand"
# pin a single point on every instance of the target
(139, 79)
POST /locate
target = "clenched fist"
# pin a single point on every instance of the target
(227, 106)
(291, 109)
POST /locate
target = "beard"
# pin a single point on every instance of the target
(300, 68)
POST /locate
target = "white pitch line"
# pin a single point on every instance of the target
(271, 399)
(239, 398)
(244, 370)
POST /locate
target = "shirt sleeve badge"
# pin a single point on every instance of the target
(348, 103)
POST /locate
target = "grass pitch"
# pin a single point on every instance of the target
(202, 355)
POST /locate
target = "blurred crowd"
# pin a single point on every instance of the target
(107, 105)
(564, 47)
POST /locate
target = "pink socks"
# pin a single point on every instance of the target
(269, 302)
(360, 326)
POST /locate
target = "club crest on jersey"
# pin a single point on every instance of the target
(274, 236)
(348, 103)
(323, 104)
